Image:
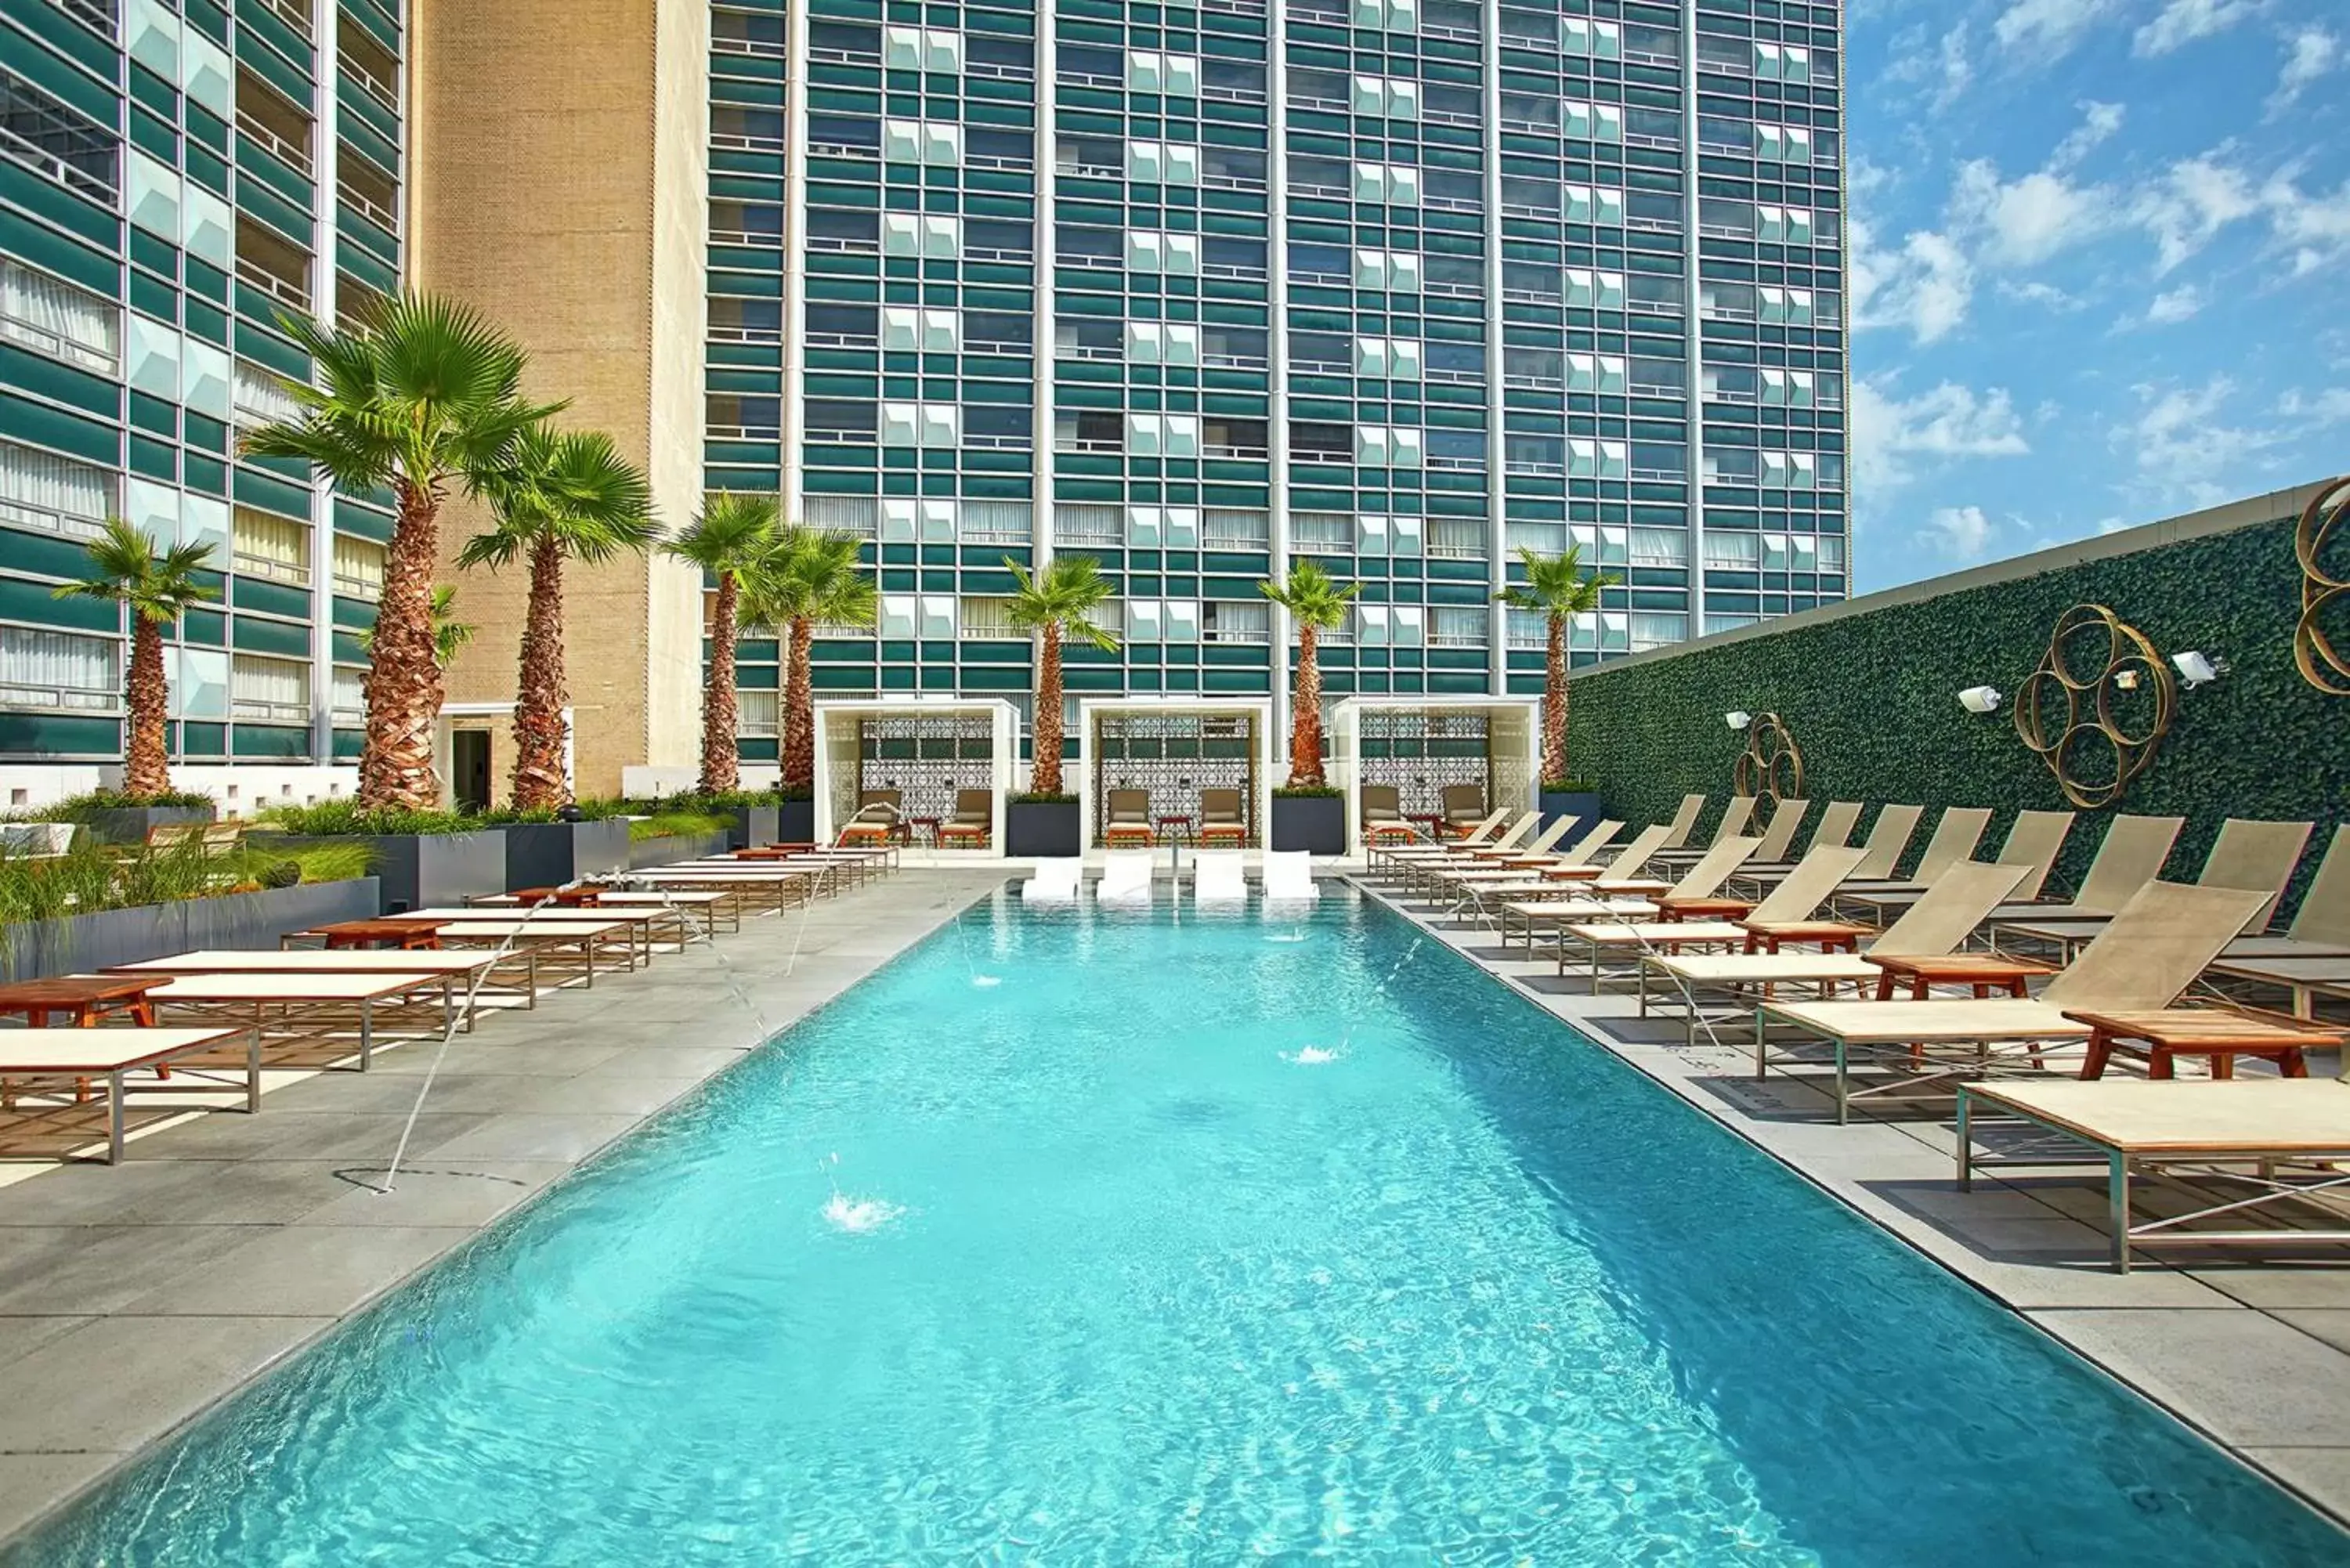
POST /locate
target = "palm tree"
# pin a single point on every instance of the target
(1055, 603)
(426, 392)
(566, 493)
(450, 635)
(1316, 601)
(1558, 588)
(727, 540)
(807, 576)
(126, 570)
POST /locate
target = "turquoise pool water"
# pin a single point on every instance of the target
(1186, 1243)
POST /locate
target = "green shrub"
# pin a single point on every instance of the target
(676, 824)
(280, 874)
(331, 818)
(1032, 798)
(83, 808)
(1305, 791)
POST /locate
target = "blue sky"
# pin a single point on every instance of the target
(2101, 266)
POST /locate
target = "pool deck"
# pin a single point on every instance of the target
(133, 1298)
(2254, 1355)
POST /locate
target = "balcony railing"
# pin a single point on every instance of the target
(49, 519)
(54, 344)
(80, 701)
(295, 155)
(386, 96)
(276, 571)
(355, 587)
(747, 46)
(269, 709)
(70, 175)
(366, 207)
(270, 284)
(293, 12)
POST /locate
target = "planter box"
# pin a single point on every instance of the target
(669, 851)
(1315, 822)
(419, 870)
(1041, 827)
(130, 824)
(756, 826)
(1587, 808)
(34, 949)
(549, 854)
(795, 823)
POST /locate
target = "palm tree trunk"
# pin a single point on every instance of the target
(539, 696)
(146, 756)
(1305, 714)
(1044, 776)
(1553, 758)
(404, 683)
(799, 710)
(721, 717)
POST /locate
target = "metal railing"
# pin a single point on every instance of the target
(56, 345)
(270, 284)
(295, 156)
(49, 519)
(749, 47)
(80, 700)
(366, 206)
(25, 150)
(276, 571)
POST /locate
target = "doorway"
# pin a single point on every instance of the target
(469, 764)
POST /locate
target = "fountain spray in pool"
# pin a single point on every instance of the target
(853, 1215)
(983, 981)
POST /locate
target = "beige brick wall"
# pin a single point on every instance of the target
(560, 187)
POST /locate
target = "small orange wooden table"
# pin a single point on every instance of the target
(561, 897)
(84, 998)
(392, 931)
(1985, 973)
(1702, 909)
(2217, 1034)
(1828, 936)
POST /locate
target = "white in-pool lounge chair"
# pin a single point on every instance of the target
(1933, 926)
(1219, 877)
(1125, 878)
(1289, 877)
(2162, 939)
(1055, 882)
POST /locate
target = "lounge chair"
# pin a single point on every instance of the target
(1463, 806)
(1935, 925)
(1955, 836)
(1289, 877)
(2033, 842)
(1127, 822)
(36, 840)
(1125, 878)
(1381, 809)
(2258, 855)
(2313, 958)
(1055, 882)
(1219, 877)
(2163, 938)
(1224, 822)
(85, 1055)
(1794, 899)
(1836, 824)
(1736, 813)
(312, 1007)
(2130, 856)
(880, 818)
(973, 822)
(1684, 822)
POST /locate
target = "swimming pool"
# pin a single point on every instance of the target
(1079, 1239)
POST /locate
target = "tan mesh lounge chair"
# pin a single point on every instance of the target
(2033, 842)
(2130, 856)
(1127, 820)
(2290, 1137)
(1427, 871)
(1684, 822)
(973, 822)
(2313, 958)
(879, 813)
(1380, 809)
(1463, 806)
(313, 1009)
(2162, 939)
(2255, 856)
(1935, 925)
(1502, 867)
(1384, 857)
(88, 1055)
(471, 970)
(1836, 824)
(1793, 901)
(1736, 813)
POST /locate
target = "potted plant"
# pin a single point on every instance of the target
(1058, 602)
(112, 817)
(1558, 589)
(421, 858)
(1308, 812)
(676, 831)
(795, 815)
(548, 850)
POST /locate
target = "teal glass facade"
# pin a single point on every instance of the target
(1402, 286)
(171, 176)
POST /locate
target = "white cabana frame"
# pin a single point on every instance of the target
(1093, 710)
(840, 724)
(1513, 748)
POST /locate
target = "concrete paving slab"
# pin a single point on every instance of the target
(2247, 1379)
(23, 1336)
(303, 1271)
(570, 1137)
(99, 1268)
(29, 1483)
(160, 1372)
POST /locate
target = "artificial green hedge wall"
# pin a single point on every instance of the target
(1872, 699)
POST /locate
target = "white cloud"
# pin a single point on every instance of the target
(2185, 456)
(2189, 202)
(1957, 69)
(2041, 294)
(1949, 421)
(2182, 22)
(2047, 29)
(2176, 305)
(2309, 55)
(1961, 533)
(2027, 220)
(2330, 406)
(2316, 227)
(2099, 121)
(1924, 287)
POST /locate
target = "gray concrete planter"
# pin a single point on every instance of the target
(1314, 822)
(34, 949)
(756, 826)
(1587, 808)
(549, 854)
(796, 822)
(1041, 827)
(131, 823)
(421, 870)
(670, 850)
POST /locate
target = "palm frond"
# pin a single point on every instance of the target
(735, 527)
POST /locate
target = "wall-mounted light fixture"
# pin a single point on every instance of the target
(1738, 719)
(2198, 669)
(1980, 698)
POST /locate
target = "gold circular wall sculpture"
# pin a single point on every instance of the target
(2325, 521)
(2097, 706)
(1771, 766)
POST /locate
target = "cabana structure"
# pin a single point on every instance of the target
(929, 751)
(1419, 747)
(1174, 750)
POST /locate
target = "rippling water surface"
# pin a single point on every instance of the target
(1187, 1242)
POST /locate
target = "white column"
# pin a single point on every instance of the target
(1276, 256)
(1496, 471)
(1692, 371)
(326, 160)
(791, 418)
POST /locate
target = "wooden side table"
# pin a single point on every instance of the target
(1987, 974)
(1828, 936)
(561, 897)
(924, 828)
(1431, 823)
(1176, 827)
(2218, 1034)
(1694, 908)
(392, 931)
